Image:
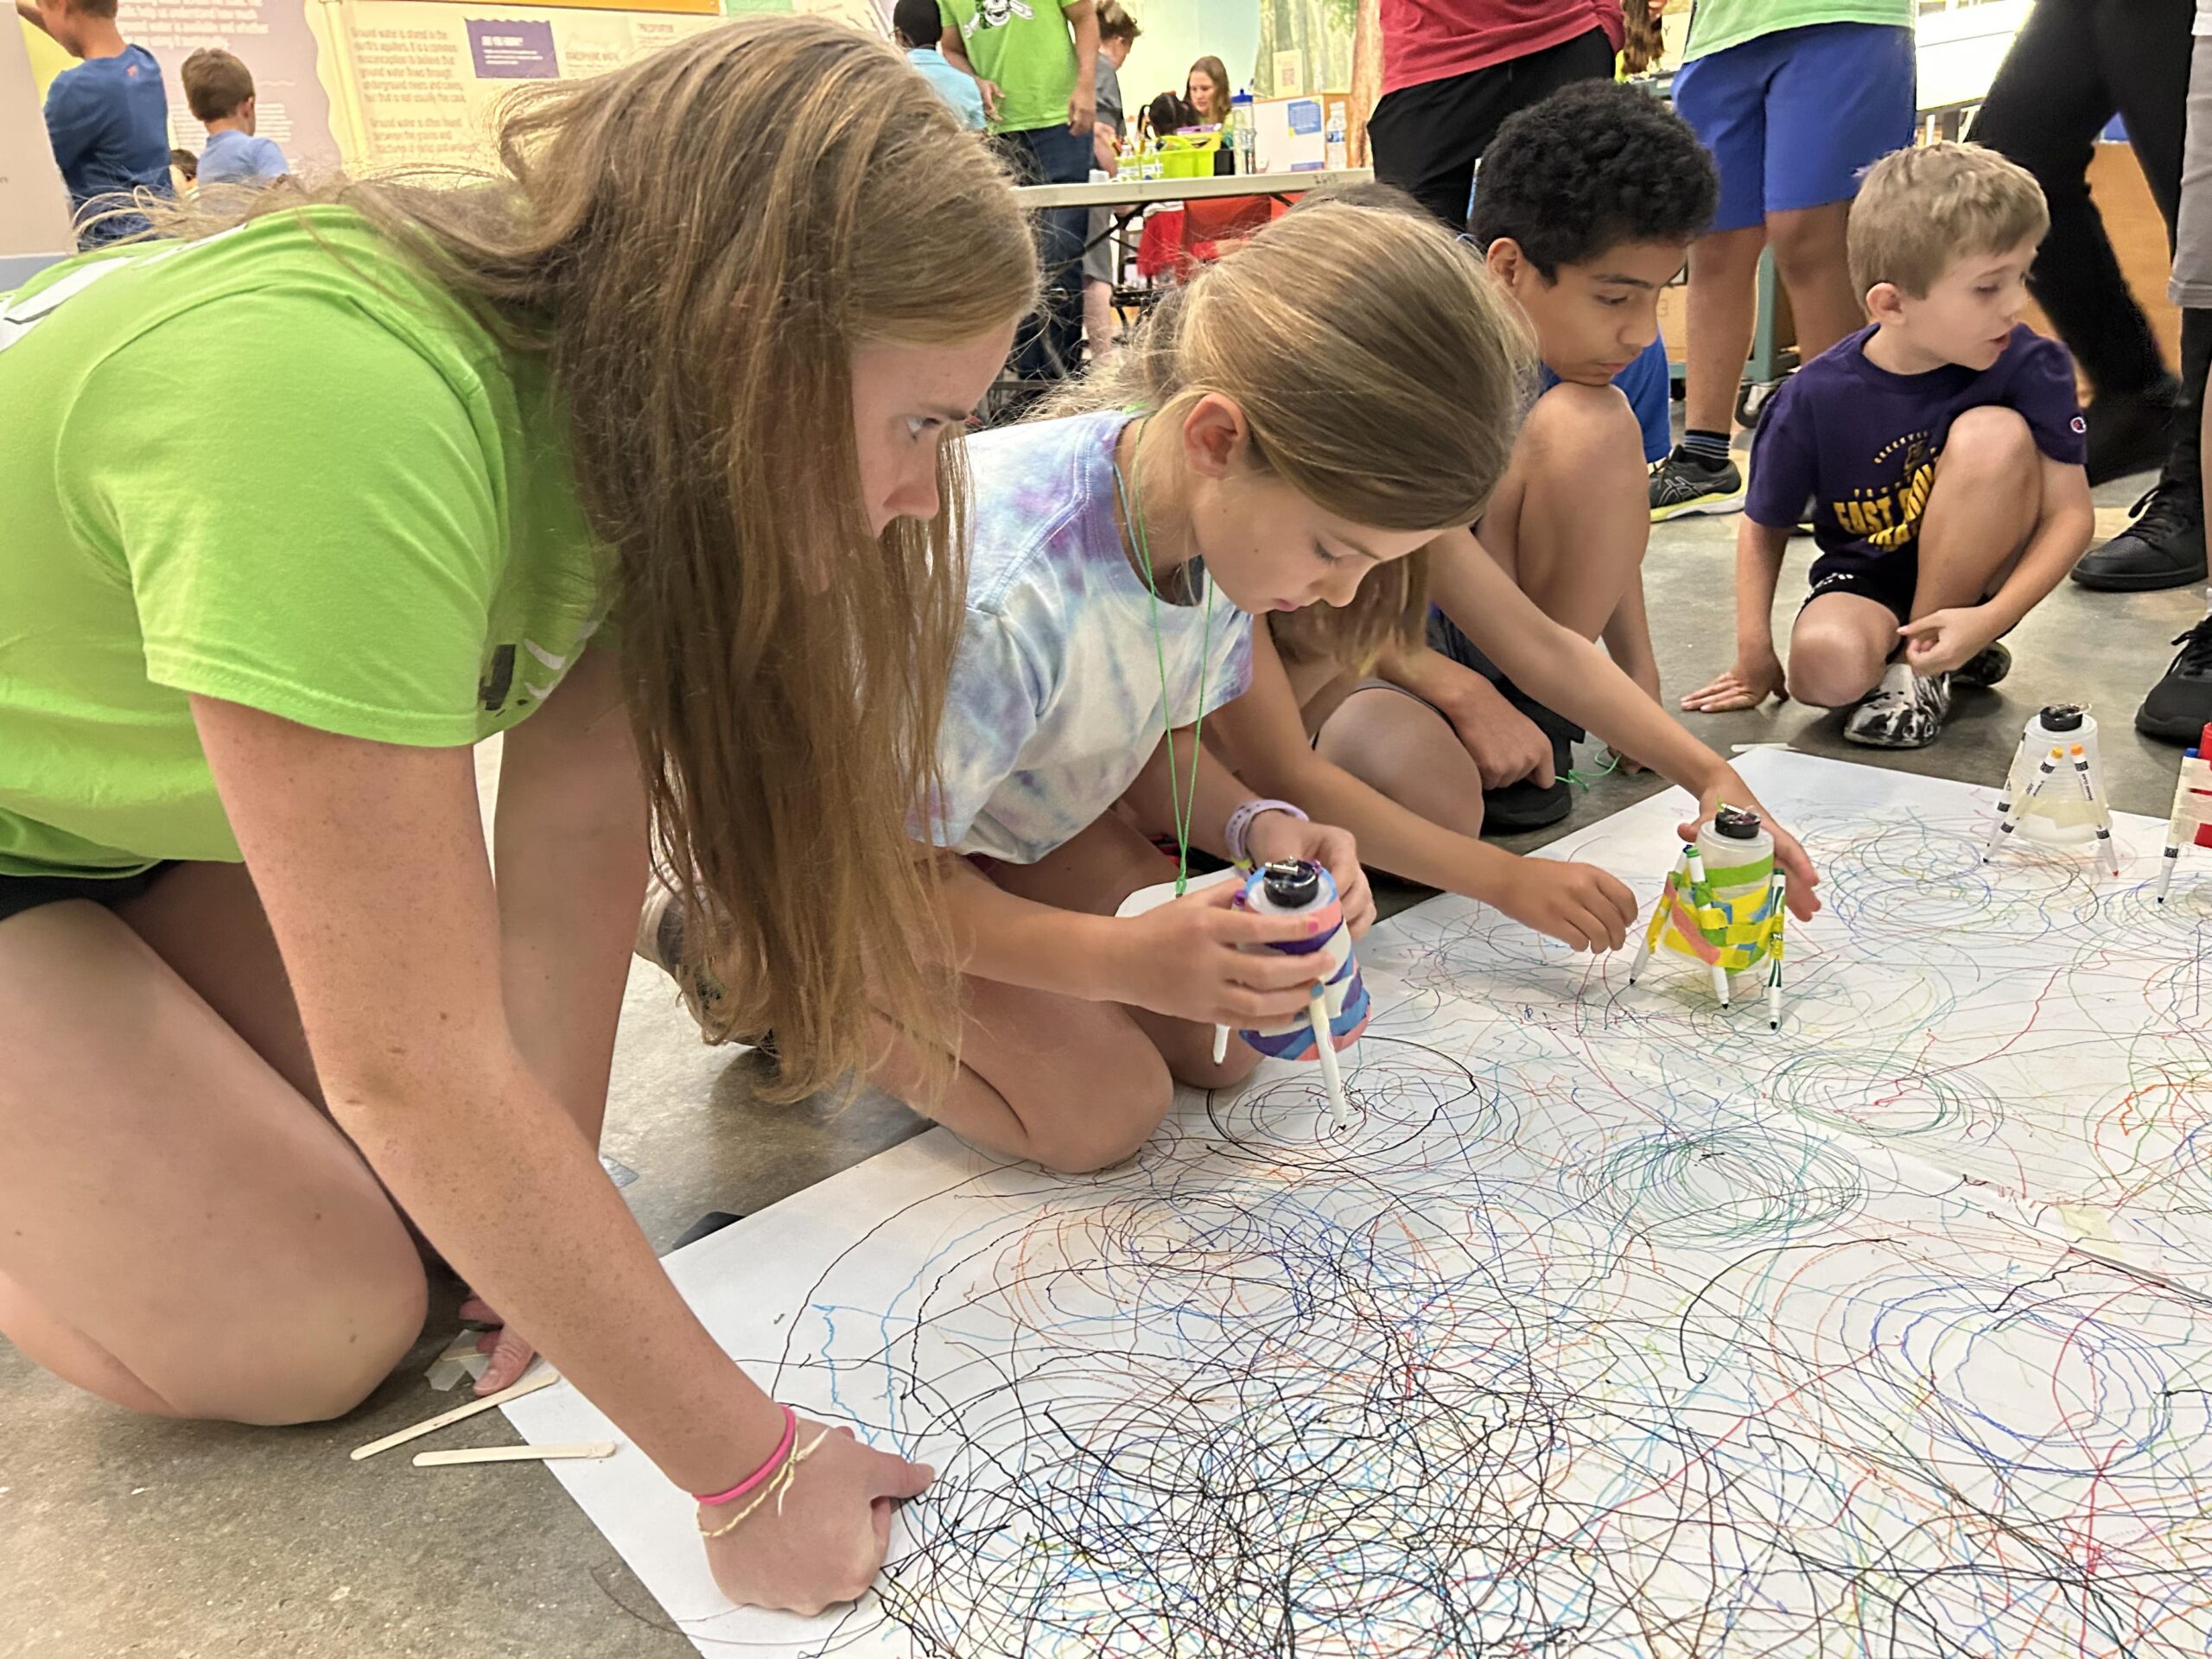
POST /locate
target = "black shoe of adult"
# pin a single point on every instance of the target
(2179, 707)
(2130, 431)
(2163, 548)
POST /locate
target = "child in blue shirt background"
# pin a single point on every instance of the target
(108, 118)
(917, 29)
(219, 89)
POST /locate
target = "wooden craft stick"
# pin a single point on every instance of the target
(544, 1379)
(512, 1453)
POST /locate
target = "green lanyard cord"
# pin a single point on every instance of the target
(1182, 803)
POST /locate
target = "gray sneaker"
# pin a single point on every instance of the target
(1905, 711)
(1682, 484)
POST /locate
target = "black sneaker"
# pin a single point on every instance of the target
(2130, 431)
(1985, 667)
(1685, 483)
(2164, 548)
(1524, 805)
(2179, 705)
(1905, 711)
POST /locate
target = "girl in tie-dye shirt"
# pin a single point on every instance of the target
(1290, 428)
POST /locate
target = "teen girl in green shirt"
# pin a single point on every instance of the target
(640, 458)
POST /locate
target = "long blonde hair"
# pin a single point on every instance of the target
(697, 242)
(1379, 372)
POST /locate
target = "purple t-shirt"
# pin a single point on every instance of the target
(1860, 443)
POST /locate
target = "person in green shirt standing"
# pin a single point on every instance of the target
(299, 510)
(1795, 99)
(1038, 66)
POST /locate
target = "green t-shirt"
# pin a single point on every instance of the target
(280, 466)
(1026, 47)
(1716, 25)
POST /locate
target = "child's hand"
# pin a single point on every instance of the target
(1789, 854)
(1505, 745)
(1277, 835)
(1188, 959)
(993, 94)
(1942, 641)
(1579, 904)
(1749, 683)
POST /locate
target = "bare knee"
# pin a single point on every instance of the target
(1587, 425)
(1108, 1105)
(1809, 244)
(1236, 1064)
(1831, 669)
(1461, 812)
(322, 1372)
(1990, 442)
(1728, 256)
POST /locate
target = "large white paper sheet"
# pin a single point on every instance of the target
(1617, 1325)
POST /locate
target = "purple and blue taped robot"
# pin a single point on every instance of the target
(1299, 887)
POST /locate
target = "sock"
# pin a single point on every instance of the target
(1711, 447)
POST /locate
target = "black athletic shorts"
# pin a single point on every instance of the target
(1886, 578)
(21, 892)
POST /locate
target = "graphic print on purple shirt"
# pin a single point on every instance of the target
(1860, 443)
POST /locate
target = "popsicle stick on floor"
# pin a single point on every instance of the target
(545, 1378)
(513, 1453)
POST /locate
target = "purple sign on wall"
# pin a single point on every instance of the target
(512, 51)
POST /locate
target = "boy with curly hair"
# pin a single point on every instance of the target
(1584, 208)
(1941, 451)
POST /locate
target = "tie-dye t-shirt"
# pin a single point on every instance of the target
(1056, 702)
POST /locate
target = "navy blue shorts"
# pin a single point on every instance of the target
(21, 892)
(1793, 118)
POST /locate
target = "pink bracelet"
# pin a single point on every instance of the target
(775, 1461)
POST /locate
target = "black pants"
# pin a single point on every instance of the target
(2073, 66)
(1426, 139)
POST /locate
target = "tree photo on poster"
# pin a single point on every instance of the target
(1319, 32)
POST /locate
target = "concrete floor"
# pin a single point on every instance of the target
(121, 1535)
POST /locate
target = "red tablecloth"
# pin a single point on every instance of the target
(1175, 239)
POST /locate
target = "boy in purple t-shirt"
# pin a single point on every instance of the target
(1937, 454)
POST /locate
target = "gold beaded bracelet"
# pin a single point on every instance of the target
(776, 1488)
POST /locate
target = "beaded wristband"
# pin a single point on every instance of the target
(778, 1489)
(775, 1460)
(1238, 830)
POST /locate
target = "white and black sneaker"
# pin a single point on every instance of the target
(1905, 711)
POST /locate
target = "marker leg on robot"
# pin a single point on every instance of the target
(1779, 894)
(1658, 917)
(2105, 842)
(1317, 1011)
